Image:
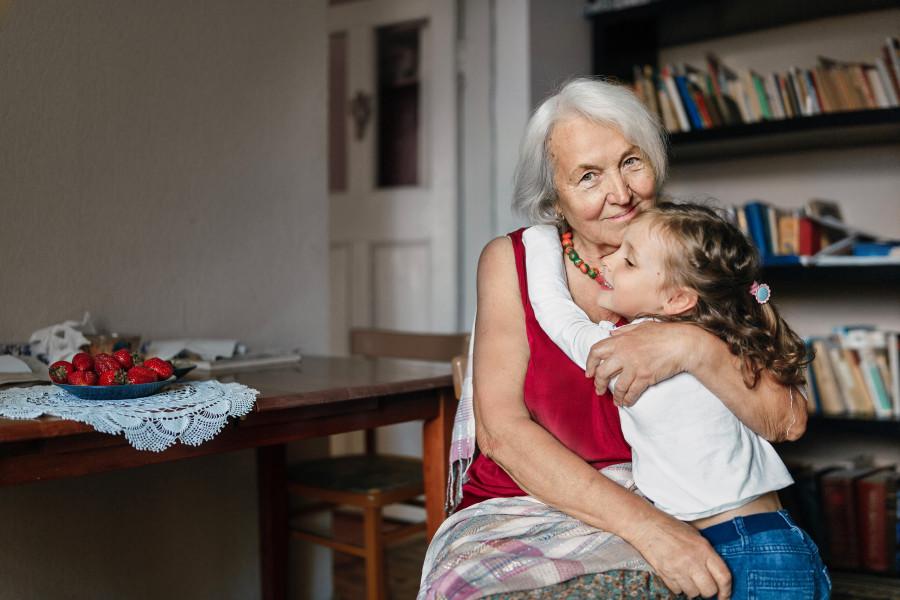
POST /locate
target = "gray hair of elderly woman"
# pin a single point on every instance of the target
(598, 101)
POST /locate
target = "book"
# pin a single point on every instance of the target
(688, 102)
(675, 97)
(838, 495)
(757, 223)
(825, 379)
(876, 500)
(788, 234)
(247, 361)
(809, 240)
(806, 504)
(893, 356)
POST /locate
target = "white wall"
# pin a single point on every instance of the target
(163, 166)
(515, 54)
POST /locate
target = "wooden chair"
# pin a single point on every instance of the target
(371, 481)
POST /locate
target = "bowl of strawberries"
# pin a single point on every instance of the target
(117, 376)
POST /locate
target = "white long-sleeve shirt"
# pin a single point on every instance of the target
(690, 455)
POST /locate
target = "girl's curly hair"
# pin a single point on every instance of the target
(712, 257)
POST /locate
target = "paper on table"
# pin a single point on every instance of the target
(207, 349)
(11, 364)
(34, 371)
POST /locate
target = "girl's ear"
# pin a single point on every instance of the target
(679, 300)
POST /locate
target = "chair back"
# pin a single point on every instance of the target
(385, 343)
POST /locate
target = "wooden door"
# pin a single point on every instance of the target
(392, 171)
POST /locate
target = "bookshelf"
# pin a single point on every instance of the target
(634, 35)
(637, 35)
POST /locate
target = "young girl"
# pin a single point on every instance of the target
(690, 455)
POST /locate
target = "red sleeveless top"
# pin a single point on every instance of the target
(561, 399)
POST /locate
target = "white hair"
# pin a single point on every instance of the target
(596, 100)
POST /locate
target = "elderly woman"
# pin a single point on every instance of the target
(548, 496)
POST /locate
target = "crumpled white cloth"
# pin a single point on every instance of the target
(191, 413)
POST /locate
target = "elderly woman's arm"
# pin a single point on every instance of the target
(549, 471)
(647, 353)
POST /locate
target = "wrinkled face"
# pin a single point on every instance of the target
(635, 279)
(602, 180)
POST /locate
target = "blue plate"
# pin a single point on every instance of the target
(115, 392)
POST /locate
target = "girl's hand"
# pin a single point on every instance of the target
(642, 355)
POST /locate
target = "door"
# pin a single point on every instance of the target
(392, 173)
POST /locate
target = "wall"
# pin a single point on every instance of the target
(515, 54)
(163, 166)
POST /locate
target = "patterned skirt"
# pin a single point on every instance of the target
(522, 548)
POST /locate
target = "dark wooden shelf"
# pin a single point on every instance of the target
(888, 427)
(688, 21)
(880, 275)
(834, 130)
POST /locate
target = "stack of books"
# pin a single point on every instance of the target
(850, 512)
(687, 98)
(856, 371)
(813, 235)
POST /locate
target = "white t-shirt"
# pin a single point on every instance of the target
(690, 455)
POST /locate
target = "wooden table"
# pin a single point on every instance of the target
(319, 397)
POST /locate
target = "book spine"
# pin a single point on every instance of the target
(756, 222)
(887, 82)
(675, 97)
(840, 522)
(881, 99)
(690, 107)
(871, 500)
(763, 97)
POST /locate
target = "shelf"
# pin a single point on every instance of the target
(880, 275)
(849, 424)
(688, 21)
(832, 130)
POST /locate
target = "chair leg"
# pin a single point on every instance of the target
(374, 545)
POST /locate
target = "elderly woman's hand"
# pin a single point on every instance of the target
(683, 558)
(642, 355)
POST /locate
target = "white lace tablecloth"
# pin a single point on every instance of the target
(191, 413)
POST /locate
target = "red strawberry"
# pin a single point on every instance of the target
(83, 362)
(162, 368)
(60, 370)
(83, 378)
(113, 377)
(105, 362)
(126, 358)
(141, 375)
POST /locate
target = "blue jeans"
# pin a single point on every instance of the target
(770, 558)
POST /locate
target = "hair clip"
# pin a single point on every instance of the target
(761, 291)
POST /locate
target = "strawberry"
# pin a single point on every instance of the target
(126, 358)
(141, 375)
(105, 362)
(82, 378)
(60, 370)
(113, 377)
(83, 362)
(162, 368)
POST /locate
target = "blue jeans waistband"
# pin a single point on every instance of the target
(732, 530)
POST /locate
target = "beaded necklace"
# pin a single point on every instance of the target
(569, 250)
